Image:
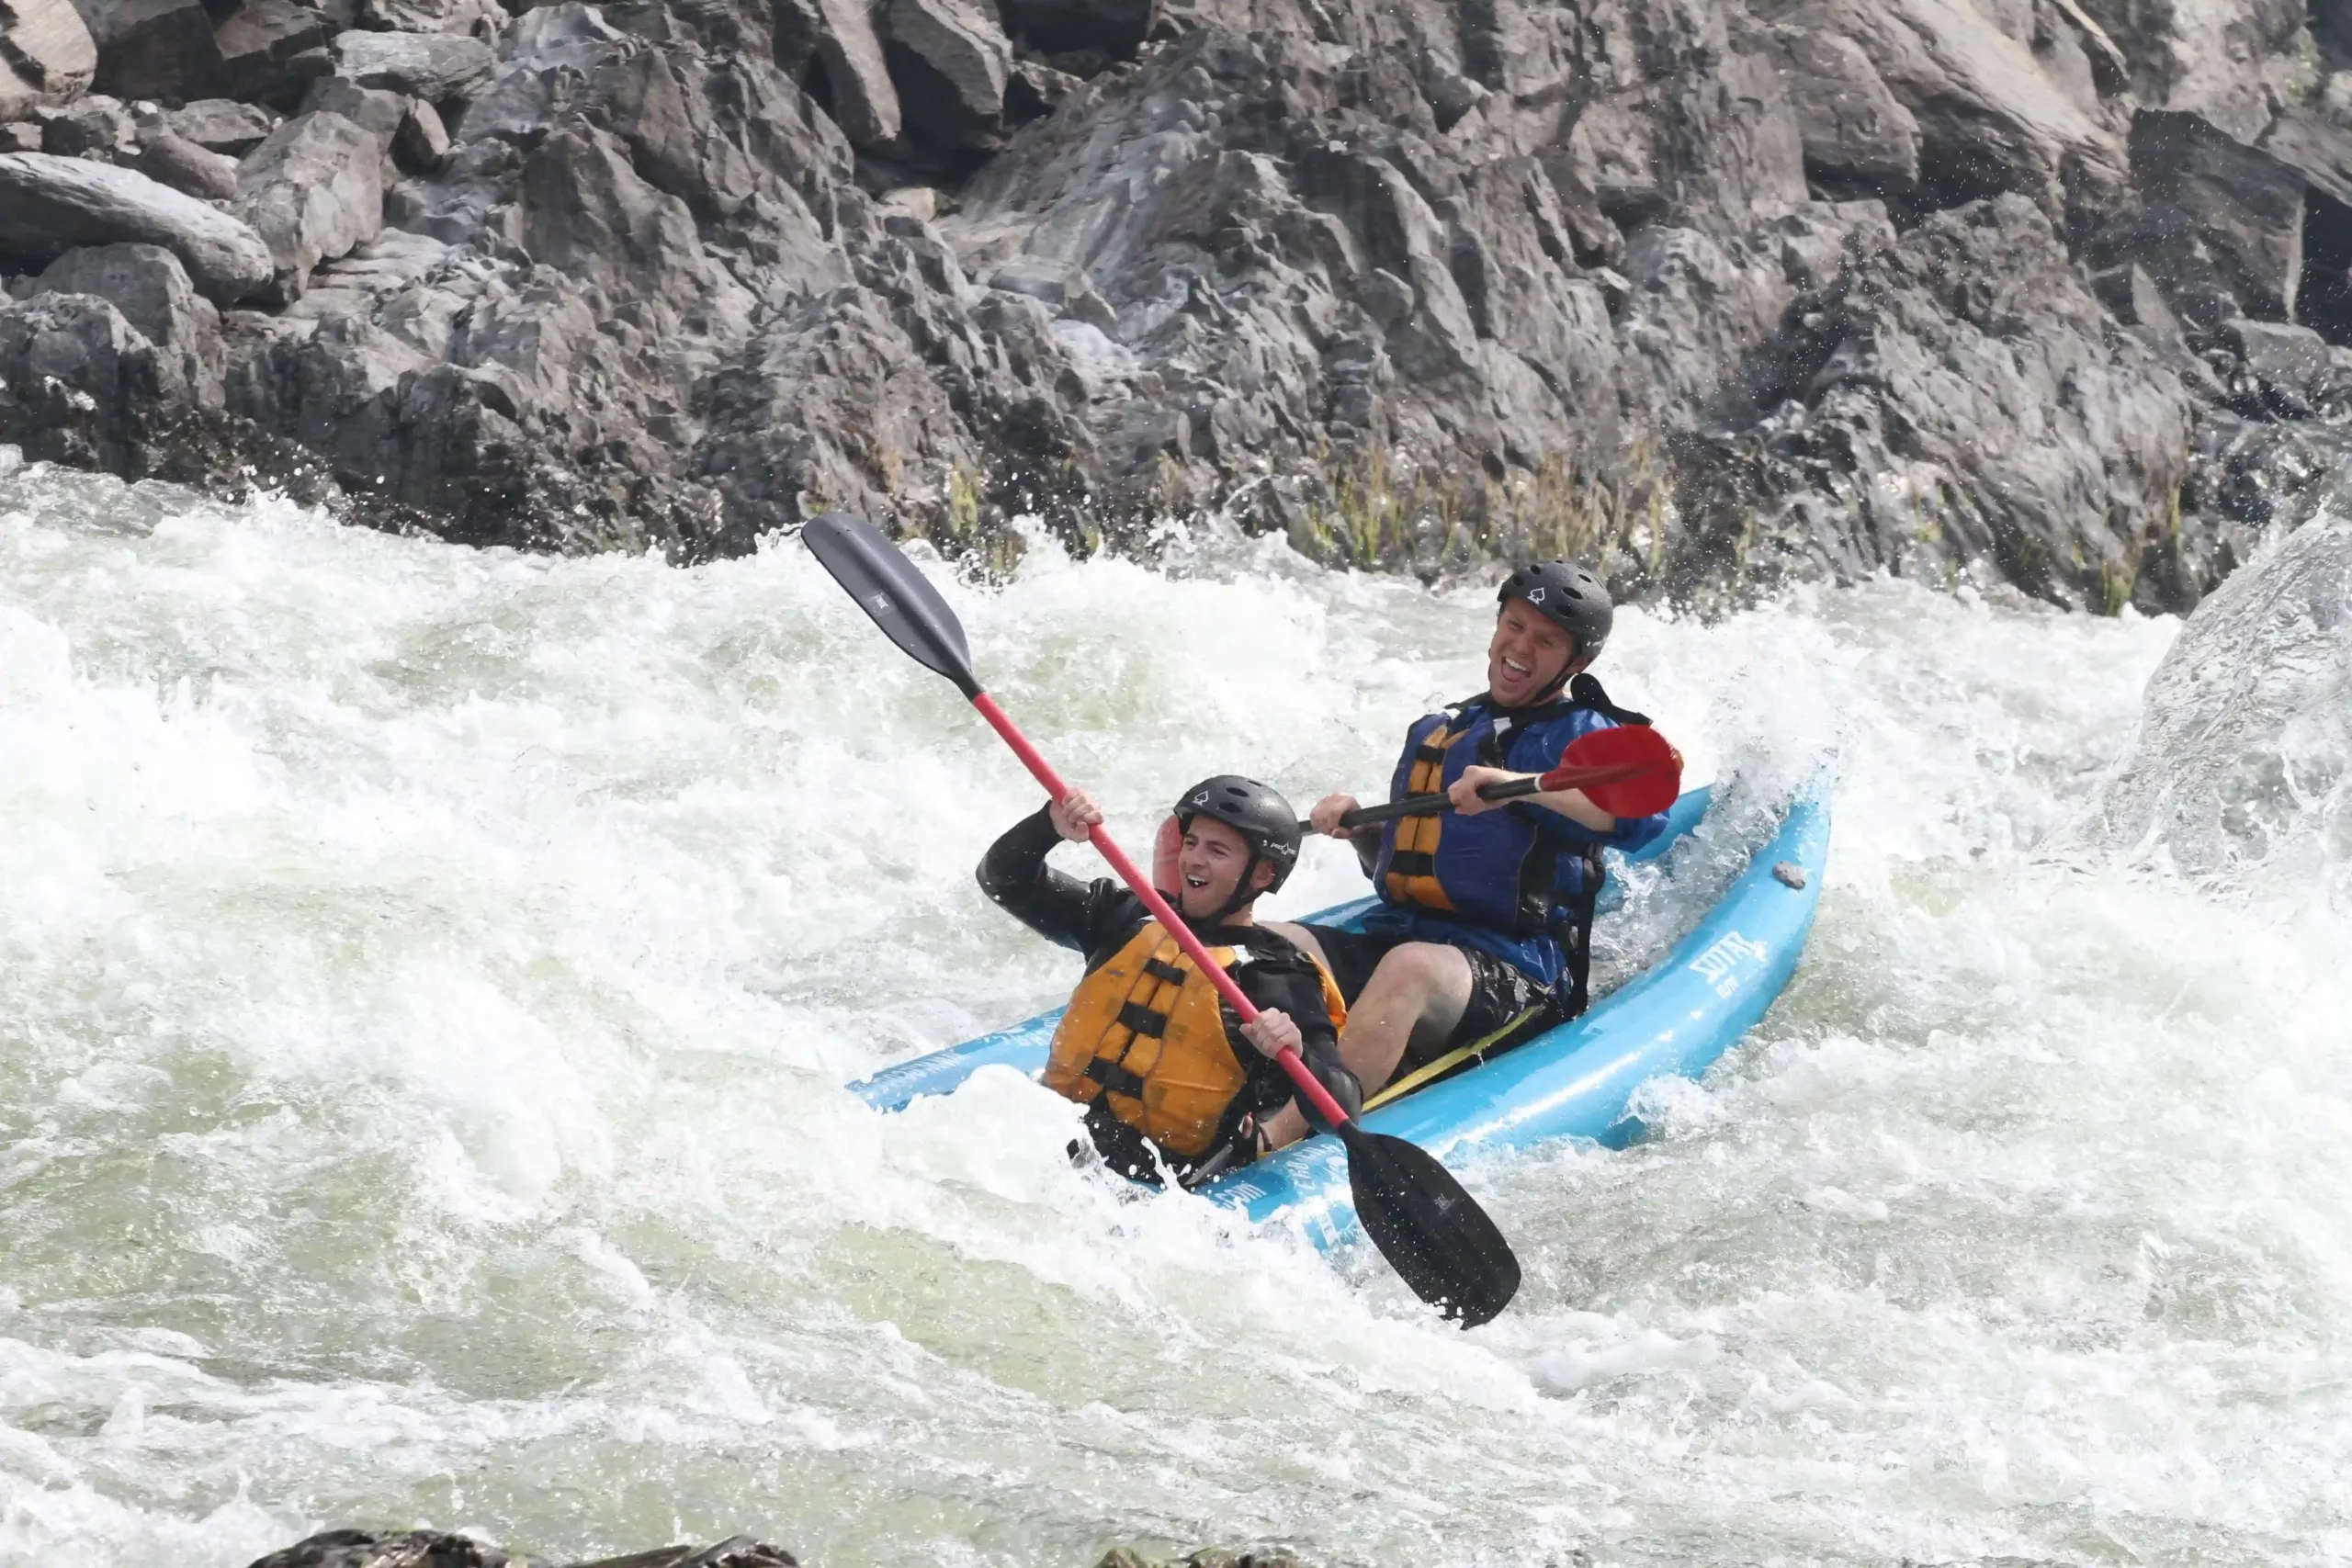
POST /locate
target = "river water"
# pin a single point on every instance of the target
(427, 980)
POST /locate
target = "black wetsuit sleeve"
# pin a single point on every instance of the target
(1289, 981)
(1093, 918)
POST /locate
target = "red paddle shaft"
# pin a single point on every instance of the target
(1168, 919)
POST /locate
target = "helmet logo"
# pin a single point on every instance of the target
(1535, 596)
(1201, 798)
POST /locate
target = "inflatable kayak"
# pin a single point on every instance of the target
(1575, 1080)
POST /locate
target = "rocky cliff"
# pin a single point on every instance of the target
(1717, 291)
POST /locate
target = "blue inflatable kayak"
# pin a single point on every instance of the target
(1574, 1082)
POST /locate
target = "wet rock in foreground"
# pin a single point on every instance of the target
(429, 1549)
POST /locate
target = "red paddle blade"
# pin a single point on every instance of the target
(1651, 779)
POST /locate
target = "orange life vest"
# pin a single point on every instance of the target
(1145, 1035)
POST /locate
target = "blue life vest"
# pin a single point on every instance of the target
(1510, 881)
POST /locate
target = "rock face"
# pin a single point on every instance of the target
(50, 205)
(1712, 292)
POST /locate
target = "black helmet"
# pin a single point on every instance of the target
(1569, 597)
(1257, 812)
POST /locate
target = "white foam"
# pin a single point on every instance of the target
(426, 978)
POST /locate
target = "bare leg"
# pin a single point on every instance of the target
(1301, 938)
(1417, 994)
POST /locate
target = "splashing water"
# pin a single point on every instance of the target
(427, 976)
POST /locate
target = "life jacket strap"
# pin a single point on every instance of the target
(1139, 1019)
(1115, 1078)
(1168, 972)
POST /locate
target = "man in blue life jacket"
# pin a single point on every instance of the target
(1485, 924)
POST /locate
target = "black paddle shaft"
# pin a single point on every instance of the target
(1430, 805)
(1422, 1220)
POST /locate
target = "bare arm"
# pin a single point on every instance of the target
(1570, 803)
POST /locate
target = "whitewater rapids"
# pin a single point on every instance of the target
(428, 978)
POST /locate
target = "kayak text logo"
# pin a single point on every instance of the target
(1719, 966)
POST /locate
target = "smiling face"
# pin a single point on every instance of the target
(1529, 655)
(1208, 868)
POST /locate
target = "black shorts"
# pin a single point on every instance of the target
(1499, 992)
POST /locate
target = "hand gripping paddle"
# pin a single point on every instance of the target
(1627, 771)
(1440, 1242)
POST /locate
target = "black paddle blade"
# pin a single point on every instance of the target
(1433, 1233)
(887, 587)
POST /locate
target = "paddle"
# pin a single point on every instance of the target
(1627, 771)
(1440, 1242)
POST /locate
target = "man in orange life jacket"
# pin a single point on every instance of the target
(1166, 1071)
(1486, 909)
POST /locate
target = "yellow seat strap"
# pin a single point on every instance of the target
(1453, 1058)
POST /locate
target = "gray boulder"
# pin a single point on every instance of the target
(1116, 27)
(2226, 60)
(180, 164)
(79, 385)
(223, 125)
(96, 127)
(312, 191)
(2234, 780)
(426, 65)
(153, 48)
(483, 19)
(1857, 138)
(148, 285)
(950, 62)
(376, 110)
(840, 35)
(50, 205)
(1989, 119)
(272, 50)
(422, 141)
(47, 55)
(2219, 223)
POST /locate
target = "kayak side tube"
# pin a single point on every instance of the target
(1577, 1081)
(1023, 1046)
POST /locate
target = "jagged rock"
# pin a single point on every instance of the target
(1857, 139)
(2219, 224)
(94, 127)
(2318, 149)
(484, 20)
(376, 110)
(148, 285)
(1035, 90)
(47, 55)
(180, 164)
(1988, 119)
(1914, 420)
(741, 1551)
(20, 136)
(952, 61)
(50, 205)
(2287, 367)
(426, 65)
(2215, 58)
(1117, 28)
(153, 48)
(838, 35)
(371, 1549)
(312, 191)
(422, 141)
(272, 50)
(222, 125)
